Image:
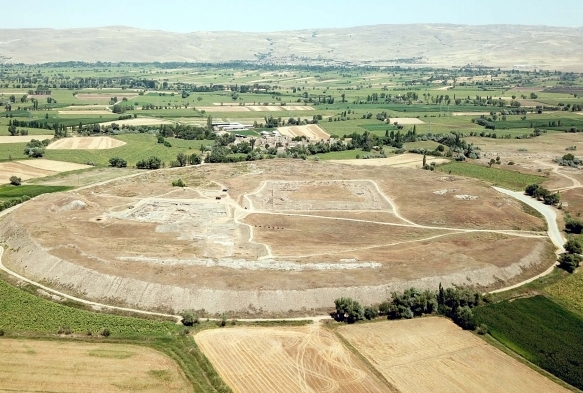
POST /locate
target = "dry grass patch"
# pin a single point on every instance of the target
(405, 121)
(141, 121)
(81, 112)
(286, 360)
(434, 355)
(407, 160)
(23, 139)
(51, 366)
(86, 143)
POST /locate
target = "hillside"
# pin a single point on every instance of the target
(422, 44)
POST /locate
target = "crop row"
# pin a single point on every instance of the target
(541, 331)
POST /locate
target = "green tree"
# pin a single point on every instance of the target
(195, 159)
(531, 189)
(573, 247)
(574, 226)
(348, 310)
(182, 159)
(569, 262)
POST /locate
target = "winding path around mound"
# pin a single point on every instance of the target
(548, 213)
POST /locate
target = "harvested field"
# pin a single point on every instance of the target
(406, 160)
(24, 139)
(141, 121)
(86, 143)
(405, 121)
(103, 96)
(273, 241)
(434, 355)
(81, 112)
(312, 132)
(28, 169)
(86, 107)
(52, 366)
(286, 360)
(253, 108)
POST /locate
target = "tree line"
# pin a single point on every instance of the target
(454, 303)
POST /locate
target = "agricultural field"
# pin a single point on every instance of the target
(434, 355)
(10, 191)
(23, 311)
(286, 359)
(541, 331)
(272, 226)
(28, 169)
(568, 291)
(71, 367)
(512, 179)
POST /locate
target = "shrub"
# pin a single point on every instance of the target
(117, 162)
(189, 318)
(1, 332)
(482, 329)
(182, 159)
(573, 247)
(15, 181)
(178, 183)
(194, 159)
(105, 332)
(149, 163)
(574, 226)
(35, 148)
(370, 313)
(569, 262)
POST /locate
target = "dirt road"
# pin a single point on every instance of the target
(548, 213)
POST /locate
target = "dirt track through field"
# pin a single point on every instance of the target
(434, 355)
(410, 223)
(305, 359)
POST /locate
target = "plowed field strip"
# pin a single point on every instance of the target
(286, 360)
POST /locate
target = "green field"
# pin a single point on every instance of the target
(499, 177)
(541, 331)
(22, 313)
(568, 291)
(137, 147)
(8, 191)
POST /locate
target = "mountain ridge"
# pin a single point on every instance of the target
(429, 45)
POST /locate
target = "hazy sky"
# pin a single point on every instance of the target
(273, 15)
